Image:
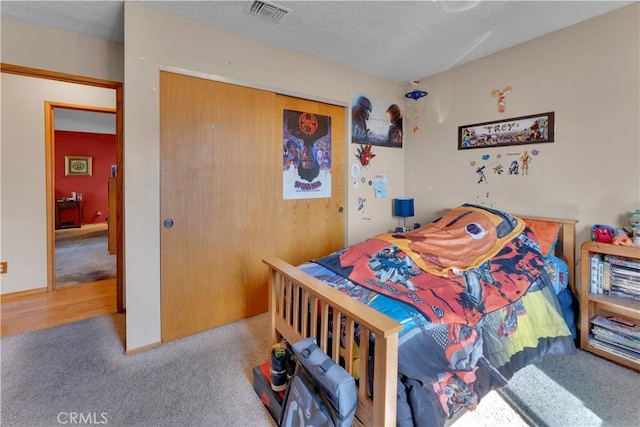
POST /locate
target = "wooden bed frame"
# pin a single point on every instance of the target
(290, 287)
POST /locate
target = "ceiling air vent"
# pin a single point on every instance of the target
(274, 12)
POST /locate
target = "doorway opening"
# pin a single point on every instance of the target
(84, 170)
(32, 309)
(49, 136)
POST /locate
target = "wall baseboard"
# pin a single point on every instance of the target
(18, 294)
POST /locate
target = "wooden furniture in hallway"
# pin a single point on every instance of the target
(112, 241)
(29, 312)
(68, 205)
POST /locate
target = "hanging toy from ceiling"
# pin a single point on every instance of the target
(415, 94)
(365, 154)
(501, 95)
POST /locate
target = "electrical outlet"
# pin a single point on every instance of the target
(3, 267)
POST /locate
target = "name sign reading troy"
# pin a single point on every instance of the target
(534, 129)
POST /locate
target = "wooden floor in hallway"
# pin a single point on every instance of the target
(34, 311)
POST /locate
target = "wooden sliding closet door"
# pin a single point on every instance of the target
(221, 202)
(311, 228)
(218, 170)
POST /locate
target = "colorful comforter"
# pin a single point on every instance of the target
(474, 299)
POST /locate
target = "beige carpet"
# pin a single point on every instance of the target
(205, 380)
(82, 255)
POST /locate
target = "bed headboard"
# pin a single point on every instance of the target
(566, 246)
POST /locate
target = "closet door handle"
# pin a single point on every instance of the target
(168, 223)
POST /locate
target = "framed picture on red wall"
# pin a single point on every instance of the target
(77, 165)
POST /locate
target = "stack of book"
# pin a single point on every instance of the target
(616, 335)
(614, 275)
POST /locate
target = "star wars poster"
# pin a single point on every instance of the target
(375, 122)
(306, 140)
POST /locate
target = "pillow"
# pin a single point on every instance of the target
(546, 234)
(558, 272)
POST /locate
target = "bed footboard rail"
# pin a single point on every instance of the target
(302, 306)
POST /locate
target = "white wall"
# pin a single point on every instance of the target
(33, 46)
(23, 223)
(153, 40)
(588, 74)
(22, 157)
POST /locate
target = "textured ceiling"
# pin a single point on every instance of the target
(84, 121)
(397, 40)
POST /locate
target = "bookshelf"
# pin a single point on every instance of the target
(596, 304)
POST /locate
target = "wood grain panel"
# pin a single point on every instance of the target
(218, 177)
(310, 228)
(221, 150)
(112, 236)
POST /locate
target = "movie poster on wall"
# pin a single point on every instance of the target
(306, 168)
(375, 122)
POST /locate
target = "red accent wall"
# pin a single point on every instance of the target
(94, 188)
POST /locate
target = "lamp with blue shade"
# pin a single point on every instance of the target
(403, 207)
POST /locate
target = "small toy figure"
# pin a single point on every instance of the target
(416, 94)
(622, 239)
(602, 233)
(501, 94)
(633, 230)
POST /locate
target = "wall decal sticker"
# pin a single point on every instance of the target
(355, 170)
(514, 168)
(380, 186)
(481, 176)
(361, 202)
(364, 154)
(525, 159)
